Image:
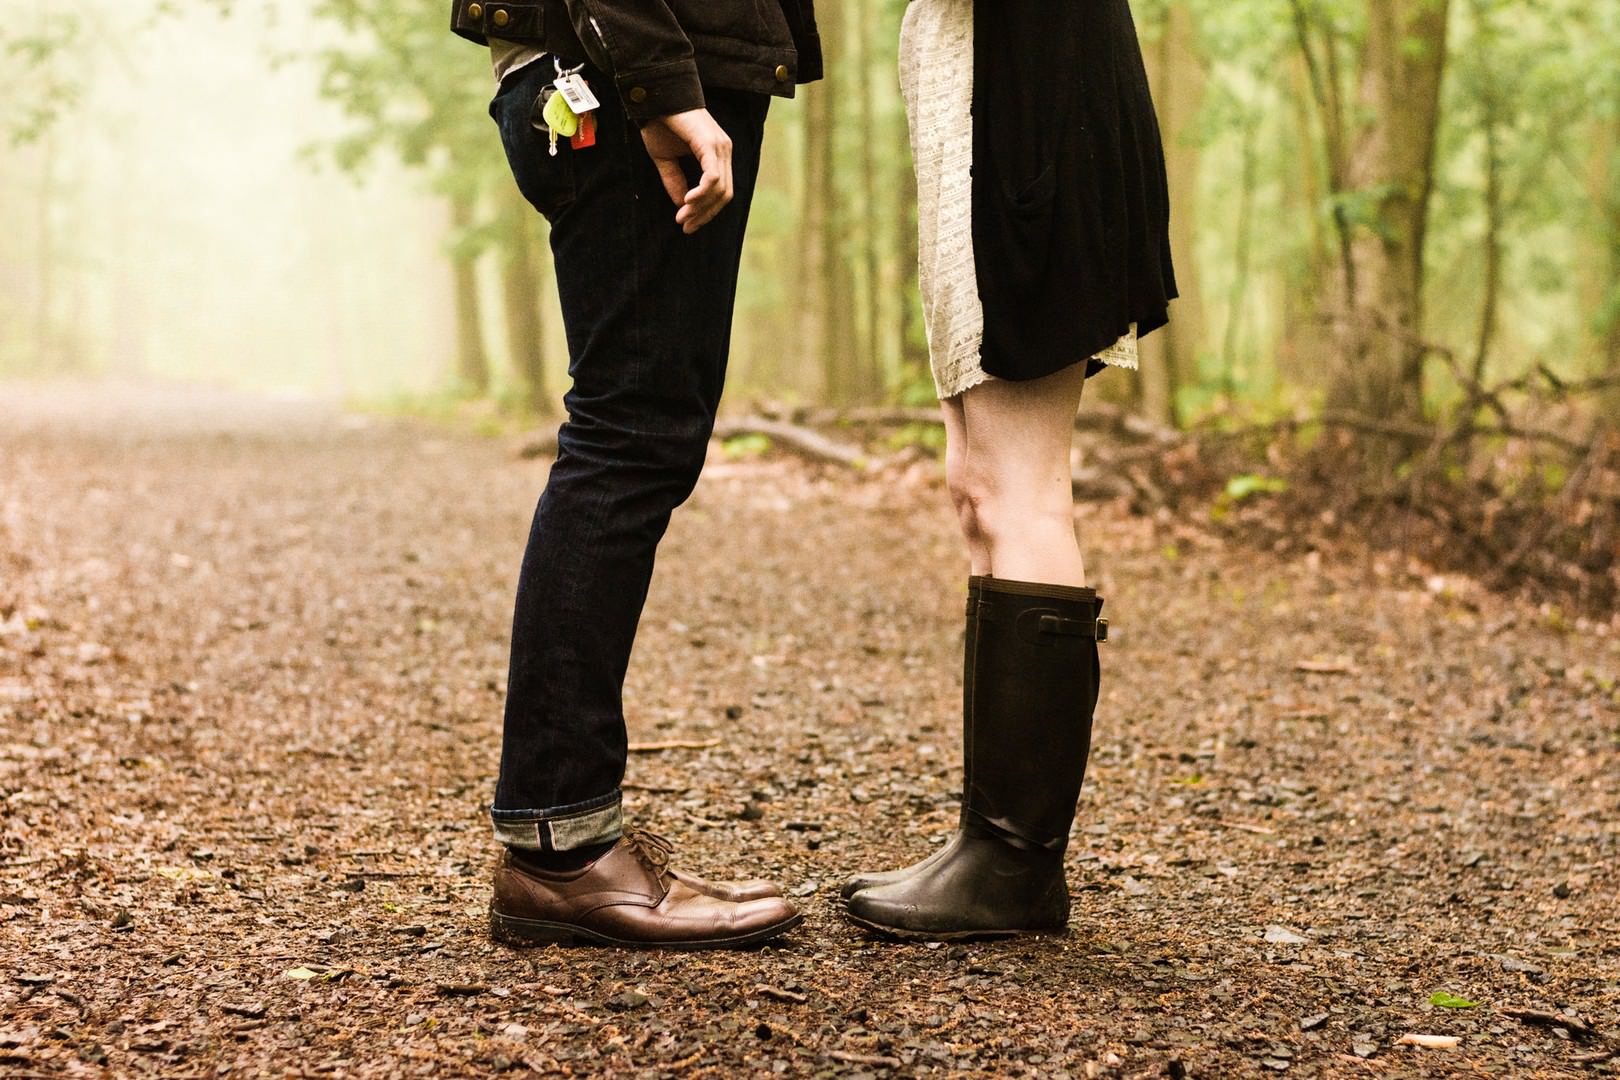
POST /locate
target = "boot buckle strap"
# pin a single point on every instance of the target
(1040, 625)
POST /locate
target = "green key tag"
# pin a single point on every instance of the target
(560, 118)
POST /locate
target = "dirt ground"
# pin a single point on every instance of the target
(252, 657)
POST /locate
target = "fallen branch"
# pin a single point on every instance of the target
(1325, 667)
(1243, 826)
(1396, 429)
(869, 415)
(1093, 416)
(803, 440)
(541, 443)
(849, 1057)
(1577, 1028)
(672, 744)
(1104, 416)
(1597, 1058)
(1100, 485)
(778, 994)
(462, 989)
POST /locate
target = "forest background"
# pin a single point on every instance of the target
(1397, 229)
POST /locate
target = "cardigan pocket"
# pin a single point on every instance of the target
(1028, 218)
(1037, 195)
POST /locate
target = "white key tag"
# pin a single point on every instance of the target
(577, 92)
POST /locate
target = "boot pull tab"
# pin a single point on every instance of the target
(1043, 626)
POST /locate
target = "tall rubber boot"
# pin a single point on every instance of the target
(969, 641)
(1035, 672)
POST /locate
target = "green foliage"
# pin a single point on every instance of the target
(1451, 1001)
(414, 90)
(44, 52)
(1529, 86)
(930, 437)
(37, 84)
(750, 445)
(916, 386)
(1242, 487)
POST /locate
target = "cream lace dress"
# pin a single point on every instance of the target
(936, 79)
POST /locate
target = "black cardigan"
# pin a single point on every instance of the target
(1071, 214)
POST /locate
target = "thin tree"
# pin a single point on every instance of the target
(1388, 181)
(520, 280)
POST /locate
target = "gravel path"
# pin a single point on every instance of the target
(251, 664)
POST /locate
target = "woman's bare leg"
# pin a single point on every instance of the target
(1013, 476)
(956, 483)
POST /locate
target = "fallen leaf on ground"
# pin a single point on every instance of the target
(1451, 1001)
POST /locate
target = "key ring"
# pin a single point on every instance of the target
(535, 120)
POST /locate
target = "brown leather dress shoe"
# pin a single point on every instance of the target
(735, 891)
(627, 898)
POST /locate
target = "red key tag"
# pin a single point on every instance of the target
(586, 135)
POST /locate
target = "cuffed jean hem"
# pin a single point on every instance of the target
(595, 821)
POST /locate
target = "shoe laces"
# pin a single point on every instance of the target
(653, 850)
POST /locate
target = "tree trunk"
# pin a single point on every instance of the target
(832, 337)
(1170, 357)
(913, 337)
(1304, 342)
(1491, 303)
(819, 253)
(128, 347)
(1600, 285)
(871, 383)
(472, 361)
(525, 330)
(1600, 262)
(1242, 246)
(1390, 172)
(45, 352)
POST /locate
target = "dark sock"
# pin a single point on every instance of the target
(556, 862)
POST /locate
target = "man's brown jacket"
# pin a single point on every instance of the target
(661, 53)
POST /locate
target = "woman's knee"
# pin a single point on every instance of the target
(1004, 513)
(962, 501)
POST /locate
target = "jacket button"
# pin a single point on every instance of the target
(475, 11)
(501, 17)
(638, 94)
(782, 73)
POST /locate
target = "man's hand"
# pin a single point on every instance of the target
(691, 134)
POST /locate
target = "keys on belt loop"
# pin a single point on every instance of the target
(566, 108)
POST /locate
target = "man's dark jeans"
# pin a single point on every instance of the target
(648, 315)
